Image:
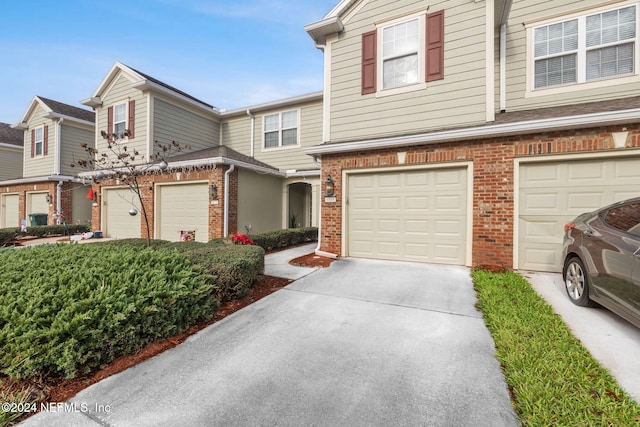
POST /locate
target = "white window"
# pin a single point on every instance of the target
(281, 129)
(585, 48)
(119, 119)
(401, 54)
(38, 141)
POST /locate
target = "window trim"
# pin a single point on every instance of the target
(36, 141)
(126, 118)
(582, 83)
(422, 48)
(280, 130)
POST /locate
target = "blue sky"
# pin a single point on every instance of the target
(227, 53)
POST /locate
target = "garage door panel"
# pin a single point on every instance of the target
(9, 213)
(183, 207)
(118, 224)
(411, 212)
(453, 203)
(572, 187)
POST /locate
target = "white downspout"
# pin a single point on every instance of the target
(58, 200)
(503, 68)
(56, 168)
(253, 130)
(58, 158)
(226, 199)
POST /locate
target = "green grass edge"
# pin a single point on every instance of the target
(552, 378)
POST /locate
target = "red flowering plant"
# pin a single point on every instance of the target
(241, 239)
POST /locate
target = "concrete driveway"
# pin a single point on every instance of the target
(359, 343)
(611, 340)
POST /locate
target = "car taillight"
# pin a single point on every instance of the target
(569, 226)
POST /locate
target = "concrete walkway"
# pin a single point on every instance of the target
(611, 340)
(361, 343)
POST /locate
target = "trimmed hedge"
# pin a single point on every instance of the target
(8, 235)
(65, 308)
(232, 269)
(282, 238)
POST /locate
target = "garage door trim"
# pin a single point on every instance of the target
(346, 173)
(518, 162)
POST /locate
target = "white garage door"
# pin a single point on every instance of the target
(9, 211)
(554, 193)
(182, 207)
(118, 224)
(414, 215)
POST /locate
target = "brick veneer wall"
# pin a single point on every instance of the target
(147, 182)
(48, 186)
(493, 181)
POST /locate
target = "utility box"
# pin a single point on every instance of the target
(38, 219)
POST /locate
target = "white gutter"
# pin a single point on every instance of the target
(11, 146)
(226, 200)
(503, 68)
(253, 130)
(62, 178)
(496, 130)
(54, 115)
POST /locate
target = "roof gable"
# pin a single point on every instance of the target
(142, 81)
(55, 109)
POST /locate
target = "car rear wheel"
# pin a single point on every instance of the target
(576, 282)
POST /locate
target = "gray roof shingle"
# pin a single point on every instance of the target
(69, 110)
(8, 135)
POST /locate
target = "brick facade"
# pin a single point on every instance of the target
(50, 187)
(493, 180)
(147, 187)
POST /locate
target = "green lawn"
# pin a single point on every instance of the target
(553, 379)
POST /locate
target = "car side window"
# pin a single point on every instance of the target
(625, 218)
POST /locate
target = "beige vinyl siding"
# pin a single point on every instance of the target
(456, 100)
(175, 123)
(11, 160)
(236, 134)
(293, 157)
(40, 165)
(517, 51)
(259, 202)
(121, 91)
(71, 146)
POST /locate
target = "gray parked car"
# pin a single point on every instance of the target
(602, 259)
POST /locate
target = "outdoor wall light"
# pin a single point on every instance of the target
(213, 192)
(49, 199)
(329, 188)
(100, 175)
(133, 211)
(163, 166)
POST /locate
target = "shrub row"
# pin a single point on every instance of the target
(282, 238)
(8, 235)
(65, 308)
(231, 269)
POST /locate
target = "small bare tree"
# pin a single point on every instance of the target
(121, 163)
